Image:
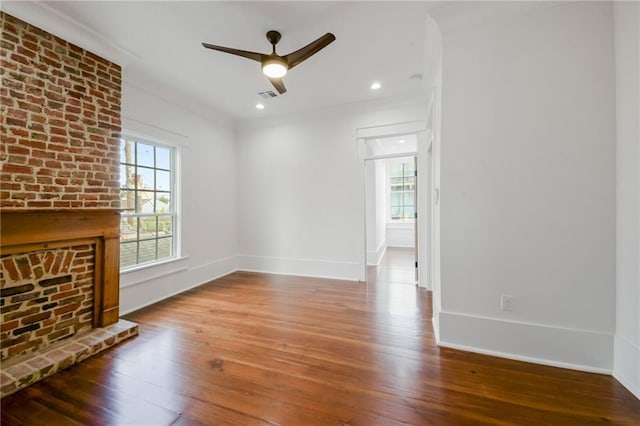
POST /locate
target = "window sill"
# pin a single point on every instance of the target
(144, 266)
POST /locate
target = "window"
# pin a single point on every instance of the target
(402, 186)
(147, 195)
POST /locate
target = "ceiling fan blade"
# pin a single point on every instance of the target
(278, 84)
(294, 58)
(244, 53)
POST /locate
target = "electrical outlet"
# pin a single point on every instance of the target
(506, 303)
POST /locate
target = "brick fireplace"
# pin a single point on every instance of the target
(59, 193)
(46, 295)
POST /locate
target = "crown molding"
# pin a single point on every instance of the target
(417, 100)
(454, 16)
(46, 17)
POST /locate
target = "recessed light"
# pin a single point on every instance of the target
(375, 85)
(401, 141)
(260, 106)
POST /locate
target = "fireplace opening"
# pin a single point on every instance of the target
(45, 296)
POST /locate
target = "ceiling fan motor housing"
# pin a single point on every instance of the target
(274, 38)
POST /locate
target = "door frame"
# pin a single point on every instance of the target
(419, 128)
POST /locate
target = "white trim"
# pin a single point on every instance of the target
(626, 364)
(318, 268)
(198, 276)
(378, 254)
(584, 350)
(142, 266)
(389, 156)
(46, 17)
(403, 128)
(172, 98)
(155, 277)
(436, 329)
(393, 129)
(353, 108)
(135, 135)
(175, 193)
(524, 358)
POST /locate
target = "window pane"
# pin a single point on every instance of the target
(128, 254)
(128, 228)
(147, 251)
(163, 180)
(163, 158)
(127, 200)
(127, 176)
(165, 226)
(127, 152)
(408, 198)
(146, 179)
(145, 201)
(165, 247)
(148, 227)
(408, 168)
(145, 155)
(163, 202)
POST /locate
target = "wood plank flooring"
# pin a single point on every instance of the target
(251, 349)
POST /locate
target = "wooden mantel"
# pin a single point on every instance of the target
(23, 230)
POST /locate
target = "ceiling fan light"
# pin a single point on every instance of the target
(274, 68)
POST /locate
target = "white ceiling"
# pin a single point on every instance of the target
(159, 46)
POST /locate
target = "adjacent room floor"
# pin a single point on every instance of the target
(254, 348)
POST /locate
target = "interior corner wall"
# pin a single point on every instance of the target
(301, 192)
(207, 190)
(528, 187)
(626, 364)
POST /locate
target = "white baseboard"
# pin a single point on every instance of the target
(626, 364)
(436, 328)
(301, 267)
(403, 246)
(582, 350)
(377, 255)
(148, 292)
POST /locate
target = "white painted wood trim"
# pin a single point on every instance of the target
(318, 268)
(584, 350)
(43, 16)
(626, 364)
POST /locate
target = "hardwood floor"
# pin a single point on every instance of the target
(266, 349)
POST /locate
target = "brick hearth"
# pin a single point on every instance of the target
(20, 372)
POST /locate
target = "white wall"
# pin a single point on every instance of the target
(208, 189)
(528, 178)
(626, 366)
(381, 207)
(300, 188)
(400, 235)
(375, 211)
(424, 207)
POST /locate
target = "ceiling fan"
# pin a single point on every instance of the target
(275, 66)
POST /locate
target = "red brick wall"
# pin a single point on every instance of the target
(45, 296)
(60, 128)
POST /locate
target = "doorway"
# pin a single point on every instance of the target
(391, 209)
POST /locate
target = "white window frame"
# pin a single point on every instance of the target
(174, 201)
